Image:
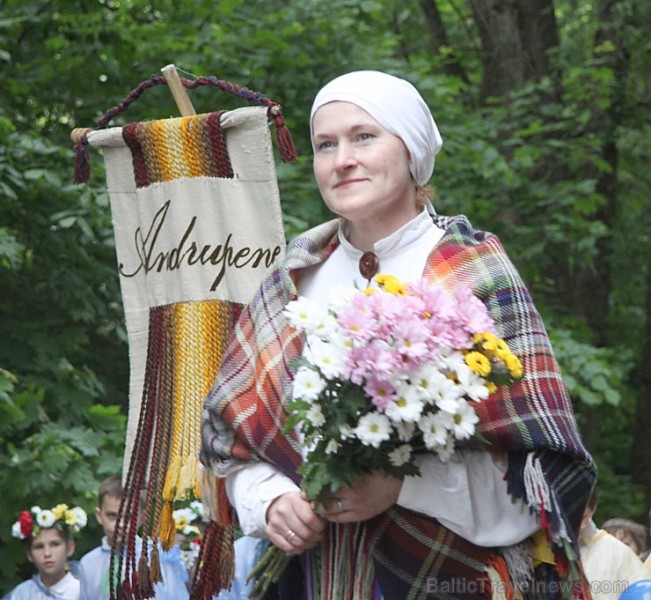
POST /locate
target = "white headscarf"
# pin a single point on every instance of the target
(397, 106)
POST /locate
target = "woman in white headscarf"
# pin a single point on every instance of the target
(454, 531)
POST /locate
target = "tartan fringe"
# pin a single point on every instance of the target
(499, 579)
(527, 481)
(519, 561)
(351, 573)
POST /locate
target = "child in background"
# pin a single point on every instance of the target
(48, 538)
(633, 534)
(95, 565)
(609, 564)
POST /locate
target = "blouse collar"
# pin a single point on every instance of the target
(409, 234)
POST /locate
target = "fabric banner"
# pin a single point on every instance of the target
(197, 219)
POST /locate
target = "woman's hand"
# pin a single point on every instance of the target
(369, 496)
(292, 525)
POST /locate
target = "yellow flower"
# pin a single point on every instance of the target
(478, 363)
(486, 341)
(391, 285)
(368, 291)
(502, 354)
(59, 510)
(501, 349)
(491, 387)
(514, 366)
(71, 517)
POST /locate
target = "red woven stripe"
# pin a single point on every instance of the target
(221, 159)
(130, 136)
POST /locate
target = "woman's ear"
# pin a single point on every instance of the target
(72, 545)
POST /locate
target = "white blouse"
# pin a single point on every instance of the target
(467, 494)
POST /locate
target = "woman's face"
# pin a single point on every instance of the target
(361, 169)
(49, 551)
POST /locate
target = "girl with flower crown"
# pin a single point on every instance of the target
(499, 516)
(47, 534)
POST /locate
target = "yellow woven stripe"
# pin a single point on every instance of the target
(201, 331)
(152, 137)
(176, 166)
(195, 150)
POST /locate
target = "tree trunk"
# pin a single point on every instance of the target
(516, 37)
(641, 454)
(439, 39)
(593, 287)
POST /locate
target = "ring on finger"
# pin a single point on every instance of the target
(290, 535)
(340, 505)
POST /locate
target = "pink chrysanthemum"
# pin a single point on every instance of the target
(381, 392)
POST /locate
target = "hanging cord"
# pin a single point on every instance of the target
(274, 114)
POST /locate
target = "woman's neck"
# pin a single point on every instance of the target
(364, 235)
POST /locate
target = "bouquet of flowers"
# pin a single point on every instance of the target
(390, 372)
(387, 373)
(186, 521)
(30, 522)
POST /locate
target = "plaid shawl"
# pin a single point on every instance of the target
(415, 556)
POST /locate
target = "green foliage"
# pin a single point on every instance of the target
(592, 375)
(47, 462)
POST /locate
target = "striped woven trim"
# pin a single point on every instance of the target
(170, 149)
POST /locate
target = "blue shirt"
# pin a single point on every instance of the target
(33, 589)
(94, 570)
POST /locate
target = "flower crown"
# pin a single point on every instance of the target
(184, 517)
(30, 522)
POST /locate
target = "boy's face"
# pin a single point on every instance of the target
(49, 551)
(107, 515)
(627, 538)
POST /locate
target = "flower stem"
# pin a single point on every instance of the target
(270, 567)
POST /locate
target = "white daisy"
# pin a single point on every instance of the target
(406, 407)
(465, 418)
(332, 446)
(314, 416)
(78, 517)
(446, 394)
(304, 314)
(325, 326)
(373, 429)
(405, 430)
(446, 450)
(183, 516)
(473, 384)
(425, 380)
(400, 455)
(453, 360)
(435, 428)
(346, 431)
(191, 530)
(328, 357)
(308, 384)
(197, 507)
(16, 531)
(45, 518)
